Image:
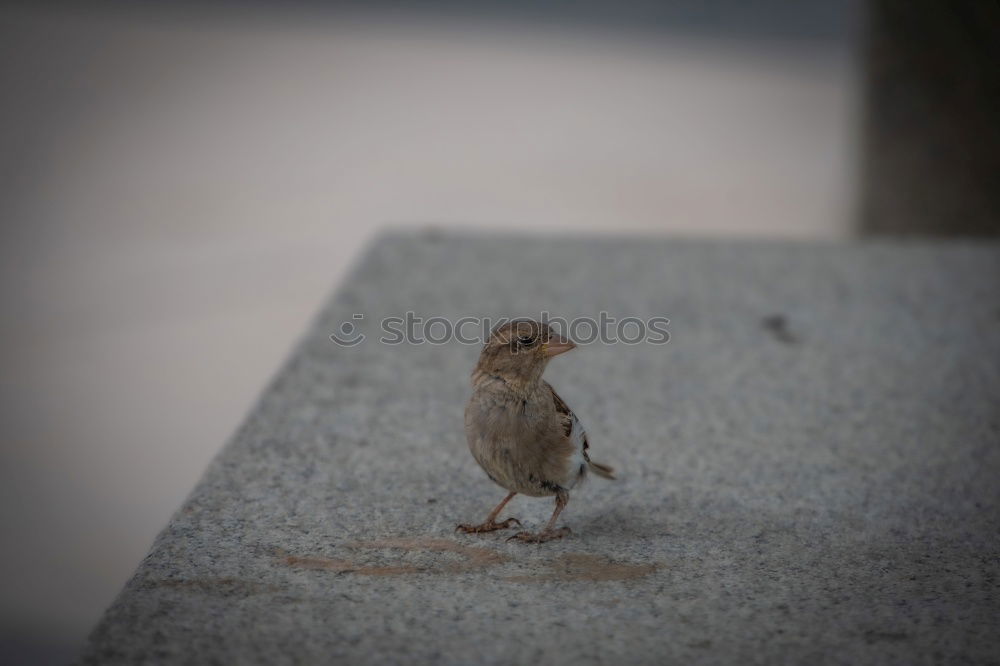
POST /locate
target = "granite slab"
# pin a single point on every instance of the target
(809, 471)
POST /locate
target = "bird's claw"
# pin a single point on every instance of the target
(540, 537)
(491, 526)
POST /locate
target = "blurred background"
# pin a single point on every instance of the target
(182, 185)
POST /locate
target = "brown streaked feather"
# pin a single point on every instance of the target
(567, 418)
(563, 410)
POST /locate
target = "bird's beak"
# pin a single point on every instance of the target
(557, 345)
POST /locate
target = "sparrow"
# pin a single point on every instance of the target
(520, 431)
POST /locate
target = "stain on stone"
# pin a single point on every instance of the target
(594, 568)
(220, 587)
(568, 567)
(777, 325)
(345, 566)
(474, 558)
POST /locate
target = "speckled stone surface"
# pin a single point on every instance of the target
(809, 471)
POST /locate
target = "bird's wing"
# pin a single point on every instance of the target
(571, 425)
(576, 434)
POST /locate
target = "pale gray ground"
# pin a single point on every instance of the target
(808, 471)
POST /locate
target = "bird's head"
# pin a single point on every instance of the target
(518, 351)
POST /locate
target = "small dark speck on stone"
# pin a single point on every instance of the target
(433, 234)
(777, 325)
(431, 500)
(883, 636)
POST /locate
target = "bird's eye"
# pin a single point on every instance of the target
(526, 340)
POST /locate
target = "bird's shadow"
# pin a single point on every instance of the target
(666, 518)
(634, 521)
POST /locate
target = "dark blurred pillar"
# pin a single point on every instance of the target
(932, 122)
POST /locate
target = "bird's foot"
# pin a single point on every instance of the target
(540, 537)
(488, 526)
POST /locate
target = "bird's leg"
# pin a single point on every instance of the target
(491, 524)
(548, 534)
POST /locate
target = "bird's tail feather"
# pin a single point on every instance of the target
(600, 470)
